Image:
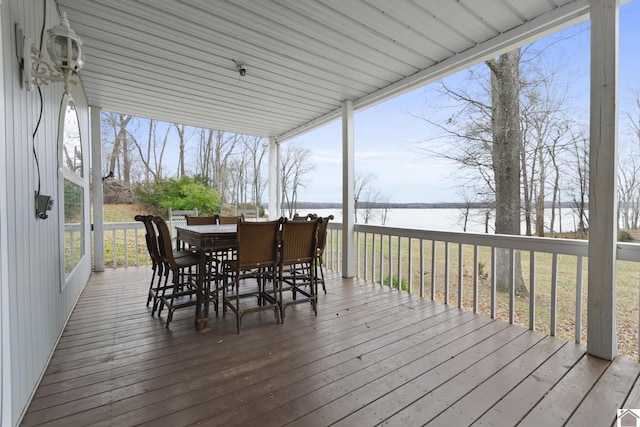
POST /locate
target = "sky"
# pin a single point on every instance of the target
(386, 135)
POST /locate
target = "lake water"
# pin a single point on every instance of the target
(444, 219)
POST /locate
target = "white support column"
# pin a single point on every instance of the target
(601, 321)
(274, 179)
(98, 201)
(347, 190)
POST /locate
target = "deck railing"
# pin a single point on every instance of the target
(458, 268)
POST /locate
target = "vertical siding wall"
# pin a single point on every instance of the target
(37, 307)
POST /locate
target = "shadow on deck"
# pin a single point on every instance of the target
(372, 355)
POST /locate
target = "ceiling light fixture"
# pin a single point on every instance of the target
(65, 50)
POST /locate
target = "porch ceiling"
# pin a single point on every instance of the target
(173, 60)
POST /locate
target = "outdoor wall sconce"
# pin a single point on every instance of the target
(64, 47)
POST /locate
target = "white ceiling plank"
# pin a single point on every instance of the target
(174, 59)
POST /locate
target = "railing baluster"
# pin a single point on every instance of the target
(494, 278)
(399, 264)
(446, 272)
(357, 243)
(578, 333)
(554, 294)
(381, 276)
(476, 273)
(373, 258)
(366, 255)
(409, 269)
(512, 286)
(532, 290)
(434, 265)
(126, 250)
(421, 268)
(460, 274)
(390, 262)
(113, 247)
(135, 239)
(72, 244)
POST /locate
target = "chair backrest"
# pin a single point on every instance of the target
(151, 238)
(307, 217)
(229, 219)
(164, 241)
(178, 217)
(202, 220)
(248, 213)
(258, 243)
(322, 233)
(298, 241)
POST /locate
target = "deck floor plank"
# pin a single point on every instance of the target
(480, 399)
(562, 400)
(371, 355)
(607, 395)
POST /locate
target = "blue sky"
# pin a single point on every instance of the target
(385, 135)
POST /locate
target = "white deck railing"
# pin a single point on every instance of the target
(454, 268)
(457, 268)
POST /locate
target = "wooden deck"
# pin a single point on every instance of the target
(371, 356)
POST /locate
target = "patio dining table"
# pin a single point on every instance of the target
(205, 240)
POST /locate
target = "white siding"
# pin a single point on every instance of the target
(30, 252)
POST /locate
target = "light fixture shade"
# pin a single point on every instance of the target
(65, 48)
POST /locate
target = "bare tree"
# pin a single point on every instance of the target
(629, 167)
(257, 151)
(182, 144)
(295, 166)
(224, 145)
(152, 160)
(204, 159)
(580, 181)
(362, 182)
(119, 161)
(507, 144)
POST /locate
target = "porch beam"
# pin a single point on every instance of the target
(274, 179)
(348, 222)
(97, 189)
(601, 321)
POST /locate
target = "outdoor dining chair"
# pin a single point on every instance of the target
(157, 266)
(181, 291)
(202, 220)
(229, 219)
(249, 272)
(296, 272)
(322, 242)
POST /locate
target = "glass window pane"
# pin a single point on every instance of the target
(72, 146)
(73, 225)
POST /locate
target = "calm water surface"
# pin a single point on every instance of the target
(444, 219)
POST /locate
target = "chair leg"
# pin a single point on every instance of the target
(319, 267)
(153, 281)
(158, 304)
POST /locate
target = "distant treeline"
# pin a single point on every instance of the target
(442, 205)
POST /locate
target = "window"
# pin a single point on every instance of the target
(72, 185)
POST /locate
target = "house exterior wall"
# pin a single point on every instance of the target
(34, 300)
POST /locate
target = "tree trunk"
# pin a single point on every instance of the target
(541, 195)
(507, 143)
